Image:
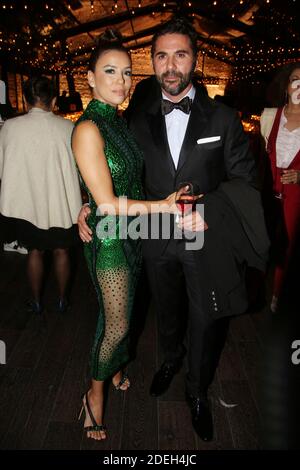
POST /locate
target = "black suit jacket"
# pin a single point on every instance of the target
(207, 164)
(236, 238)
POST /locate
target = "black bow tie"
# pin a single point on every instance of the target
(184, 105)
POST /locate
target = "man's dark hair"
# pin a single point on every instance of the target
(39, 89)
(177, 25)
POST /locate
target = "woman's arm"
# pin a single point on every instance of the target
(88, 148)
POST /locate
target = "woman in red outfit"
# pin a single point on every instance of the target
(280, 128)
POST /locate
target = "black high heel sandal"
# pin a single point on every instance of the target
(95, 427)
(122, 382)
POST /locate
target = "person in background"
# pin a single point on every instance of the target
(280, 127)
(5, 113)
(40, 194)
(63, 103)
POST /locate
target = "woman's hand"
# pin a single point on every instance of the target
(170, 202)
(290, 177)
(172, 198)
(85, 232)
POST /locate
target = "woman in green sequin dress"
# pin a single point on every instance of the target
(110, 166)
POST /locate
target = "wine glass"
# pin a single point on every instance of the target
(185, 197)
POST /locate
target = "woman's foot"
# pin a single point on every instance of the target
(93, 407)
(121, 381)
(34, 306)
(62, 305)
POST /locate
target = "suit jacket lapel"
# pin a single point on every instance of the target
(200, 113)
(157, 126)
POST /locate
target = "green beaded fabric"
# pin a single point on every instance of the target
(114, 263)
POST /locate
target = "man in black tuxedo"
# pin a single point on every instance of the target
(186, 136)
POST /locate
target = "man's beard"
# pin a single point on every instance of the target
(183, 83)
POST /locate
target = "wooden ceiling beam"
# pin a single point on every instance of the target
(224, 21)
(111, 20)
(150, 32)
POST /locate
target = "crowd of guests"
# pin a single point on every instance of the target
(44, 158)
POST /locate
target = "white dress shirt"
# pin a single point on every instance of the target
(176, 124)
(287, 144)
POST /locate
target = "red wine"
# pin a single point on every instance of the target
(185, 204)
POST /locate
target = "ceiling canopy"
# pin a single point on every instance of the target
(57, 36)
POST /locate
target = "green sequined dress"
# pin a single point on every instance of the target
(114, 263)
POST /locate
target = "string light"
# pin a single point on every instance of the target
(250, 58)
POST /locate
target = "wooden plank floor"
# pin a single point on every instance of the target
(47, 370)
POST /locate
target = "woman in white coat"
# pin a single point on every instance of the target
(40, 195)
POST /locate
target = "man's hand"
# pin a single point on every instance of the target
(192, 222)
(85, 232)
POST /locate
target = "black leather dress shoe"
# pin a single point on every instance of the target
(162, 379)
(201, 417)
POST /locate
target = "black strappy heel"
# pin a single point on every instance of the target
(95, 427)
(122, 381)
